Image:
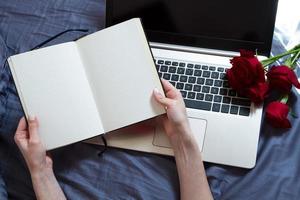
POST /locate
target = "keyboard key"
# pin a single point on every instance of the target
(200, 96)
(191, 95)
(183, 79)
(226, 100)
(160, 62)
(190, 65)
(164, 68)
(166, 76)
(241, 102)
(220, 69)
(226, 84)
(200, 81)
(181, 64)
(223, 76)
(159, 74)
(180, 70)
(175, 77)
(206, 74)
(197, 73)
(216, 107)
(192, 79)
(175, 63)
(157, 67)
(214, 75)
(168, 62)
(223, 91)
(208, 97)
(232, 93)
(209, 82)
(214, 90)
(205, 67)
(197, 88)
(225, 108)
(173, 83)
(197, 66)
(188, 86)
(172, 69)
(205, 89)
(189, 71)
(212, 68)
(234, 110)
(244, 111)
(218, 83)
(179, 86)
(183, 93)
(198, 104)
(217, 98)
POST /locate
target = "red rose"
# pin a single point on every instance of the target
(257, 93)
(282, 78)
(276, 114)
(247, 76)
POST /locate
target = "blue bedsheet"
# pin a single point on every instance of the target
(122, 174)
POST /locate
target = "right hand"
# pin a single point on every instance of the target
(175, 123)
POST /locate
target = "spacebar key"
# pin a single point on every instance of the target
(197, 104)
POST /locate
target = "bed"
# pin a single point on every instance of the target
(123, 174)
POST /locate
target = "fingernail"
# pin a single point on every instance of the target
(31, 117)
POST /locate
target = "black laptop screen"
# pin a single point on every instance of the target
(217, 24)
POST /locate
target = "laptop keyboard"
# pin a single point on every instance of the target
(203, 86)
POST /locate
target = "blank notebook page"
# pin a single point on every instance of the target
(122, 73)
(55, 89)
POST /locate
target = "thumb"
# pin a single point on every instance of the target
(166, 102)
(21, 135)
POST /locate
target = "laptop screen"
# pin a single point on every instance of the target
(215, 24)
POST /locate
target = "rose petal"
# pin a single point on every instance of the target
(246, 53)
(257, 93)
(276, 114)
(282, 78)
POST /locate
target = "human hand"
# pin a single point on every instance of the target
(175, 123)
(31, 147)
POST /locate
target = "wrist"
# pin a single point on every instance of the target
(41, 174)
(184, 142)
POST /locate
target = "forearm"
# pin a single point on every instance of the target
(46, 186)
(191, 172)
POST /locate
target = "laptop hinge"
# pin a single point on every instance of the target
(189, 49)
(193, 49)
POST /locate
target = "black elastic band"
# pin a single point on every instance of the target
(105, 146)
(57, 35)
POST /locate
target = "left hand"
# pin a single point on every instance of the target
(31, 147)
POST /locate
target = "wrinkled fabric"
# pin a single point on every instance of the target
(121, 174)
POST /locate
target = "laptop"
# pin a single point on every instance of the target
(192, 42)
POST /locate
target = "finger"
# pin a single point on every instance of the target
(21, 135)
(166, 102)
(170, 90)
(33, 128)
(22, 126)
(167, 85)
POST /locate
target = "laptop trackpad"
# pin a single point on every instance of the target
(198, 127)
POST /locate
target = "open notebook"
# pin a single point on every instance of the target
(78, 90)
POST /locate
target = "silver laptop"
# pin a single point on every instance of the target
(192, 42)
